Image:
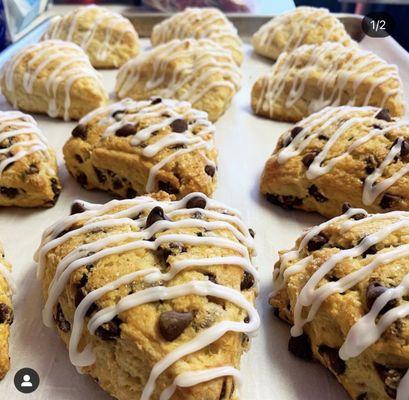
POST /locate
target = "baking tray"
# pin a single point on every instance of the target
(244, 141)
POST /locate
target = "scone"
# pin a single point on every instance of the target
(28, 166)
(199, 71)
(107, 38)
(304, 25)
(154, 298)
(358, 155)
(311, 77)
(6, 312)
(200, 23)
(135, 147)
(53, 77)
(344, 288)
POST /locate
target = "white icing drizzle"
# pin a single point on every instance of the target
(339, 66)
(340, 117)
(127, 213)
(197, 137)
(369, 328)
(63, 28)
(66, 62)
(208, 60)
(18, 124)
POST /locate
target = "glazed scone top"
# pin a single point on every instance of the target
(162, 129)
(92, 28)
(304, 25)
(200, 23)
(184, 69)
(382, 240)
(19, 137)
(348, 130)
(147, 224)
(333, 67)
(53, 63)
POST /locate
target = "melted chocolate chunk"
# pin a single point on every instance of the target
(32, 169)
(100, 175)
(110, 330)
(172, 324)
(211, 277)
(196, 202)
(300, 346)
(323, 137)
(286, 202)
(6, 314)
(373, 291)
(126, 130)
(389, 201)
(404, 150)
(197, 215)
(167, 187)
(362, 396)
(60, 320)
(317, 242)
(117, 184)
(337, 365)
(295, 131)
(309, 158)
(156, 214)
(371, 164)
(78, 158)
(77, 208)
(156, 100)
(210, 170)
(252, 233)
(247, 281)
(179, 125)
(80, 131)
(55, 187)
(9, 192)
(82, 179)
(384, 115)
(314, 192)
(345, 207)
(130, 193)
(118, 114)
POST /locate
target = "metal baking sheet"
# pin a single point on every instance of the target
(245, 141)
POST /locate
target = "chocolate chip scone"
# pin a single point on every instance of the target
(28, 166)
(312, 77)
(358, 155)
(133, 147)
(304, 25)
(344, 288)
(199, 71)
(200, 23)
(107, 37)
(52, 77)
(6, 312)
(153, 297)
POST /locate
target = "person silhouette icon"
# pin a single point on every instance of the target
(26, 381)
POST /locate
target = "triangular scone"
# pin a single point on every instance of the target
(200, 23)
(154, 298)
(304, 25)
(107, 38)
(135, 147)
(312, 77)
(6, 312)
(28, 166)
(354, 155)
(55, 78)
(199, 71)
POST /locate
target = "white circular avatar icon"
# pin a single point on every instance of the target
(26, 381)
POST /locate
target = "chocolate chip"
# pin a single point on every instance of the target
(118, 114)
(79, 295)
(126, 130)
(337, 365)
(247, 281)
(130, 193)
(223, 390)
(317, 242)
(345, 207)
(404, 150)
(172, 324)
(9, 192)
(156, 214)
(196, 202)
(156, 100)
(82, 179)
(117, 184)
(32, 169)
(300, 346)
(197, 215)
(55, 187)
(314, 192)
(80, 131)
(211, 277)
(77, 208)
(252, 233)
(362, 396)
(373, 291)
(177, 247)
(100, 175)
(286, 202)
(389, 201)
(309, 158)
(60, 320)
(179, 125)
(371, 164)
(167, 187)
(384, 115)
(322, 137)
(391, 378)
(78, 158)
(110, 330)
(295, 131)
(6, 314)
(210, 170)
